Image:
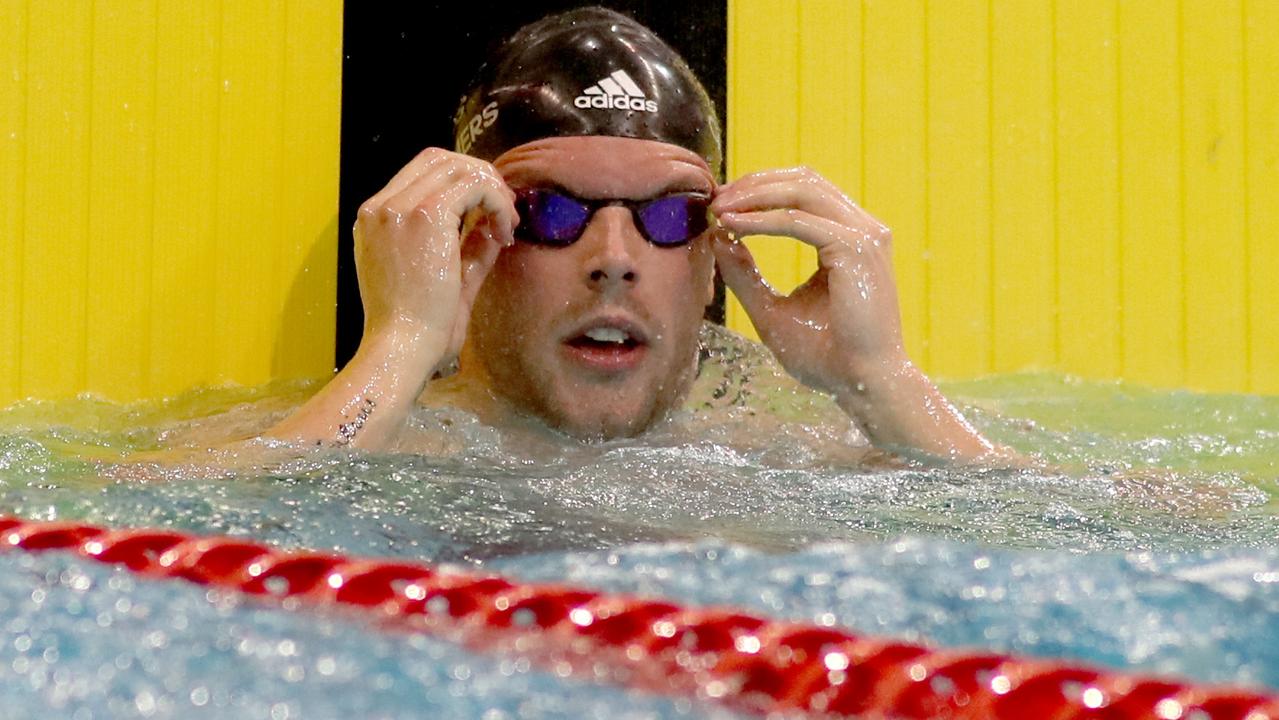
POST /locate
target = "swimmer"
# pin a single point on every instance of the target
(562, 255)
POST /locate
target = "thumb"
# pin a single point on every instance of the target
(480, 249)
(742, 276)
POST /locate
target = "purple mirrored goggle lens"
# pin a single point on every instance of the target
(551, 217)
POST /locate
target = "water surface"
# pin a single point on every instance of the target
(1148, 543)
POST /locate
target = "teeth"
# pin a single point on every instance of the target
(612, 335)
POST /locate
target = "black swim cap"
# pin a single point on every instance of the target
(589, 71)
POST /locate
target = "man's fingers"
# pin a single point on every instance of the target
(799, 189)
(500, 204)
(804, 226)
(490, 195)
(742, 276)
(438, 183)
(420, 165)
(806, 191)
(837, 245)
(451, 192)
(421, 195)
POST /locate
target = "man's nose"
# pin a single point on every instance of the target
(613, 245)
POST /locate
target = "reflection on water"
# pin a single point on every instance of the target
(1155, 523)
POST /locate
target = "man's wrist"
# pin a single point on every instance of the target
(405, 342)
(877, 380)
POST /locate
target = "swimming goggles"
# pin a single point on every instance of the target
(556, 219)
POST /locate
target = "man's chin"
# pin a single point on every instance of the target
(590, 410)
(603, 427)
(611, 412)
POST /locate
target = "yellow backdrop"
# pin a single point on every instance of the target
(168, 193)
(1089, 187)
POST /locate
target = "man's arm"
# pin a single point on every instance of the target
(840, 332)
(419, 267)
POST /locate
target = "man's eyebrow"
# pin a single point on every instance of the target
(685, 185)
(679, 185)
(684, 182)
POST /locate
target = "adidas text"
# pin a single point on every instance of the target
(615, 91)
(615, 102)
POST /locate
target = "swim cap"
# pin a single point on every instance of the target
(589, 71)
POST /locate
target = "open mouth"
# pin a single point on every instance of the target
(604, 338)
(607, 347)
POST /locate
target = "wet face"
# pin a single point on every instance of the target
(599, 338)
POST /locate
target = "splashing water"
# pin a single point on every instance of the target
(1151, 545)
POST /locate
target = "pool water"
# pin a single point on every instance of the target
(1149, 544)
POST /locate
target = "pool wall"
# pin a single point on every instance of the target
(1083, 187)
(1087, 187)
(168, 193)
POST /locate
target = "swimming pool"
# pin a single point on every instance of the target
(743, 501)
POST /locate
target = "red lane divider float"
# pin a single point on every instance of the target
(750, 662)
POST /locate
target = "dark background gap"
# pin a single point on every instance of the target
(405, 66)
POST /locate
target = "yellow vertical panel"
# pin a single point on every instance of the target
(13, 139)
(1261, 63)
(188, 89)
(829, 99)
(1150, 194)
(120, 192)
(830, 59)
(895, 184)
(59, 45)
(764, 131)
(249, 163)
(959, 187)
(305, 327)
(1023, 305)
(1216, 251)
(1087, 211)
(156, 237)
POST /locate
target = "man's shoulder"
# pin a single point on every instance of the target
(742, 395)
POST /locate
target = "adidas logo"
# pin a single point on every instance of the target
(615, 92)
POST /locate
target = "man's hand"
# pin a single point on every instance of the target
(843, 322)
(420, 267)
(840, 331)
(415, 271)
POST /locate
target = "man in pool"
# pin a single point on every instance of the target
(564, 254)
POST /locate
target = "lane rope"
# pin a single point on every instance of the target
(722, 654)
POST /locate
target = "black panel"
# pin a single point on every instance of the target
(406, 65)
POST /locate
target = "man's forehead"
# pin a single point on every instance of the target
(606, 166)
